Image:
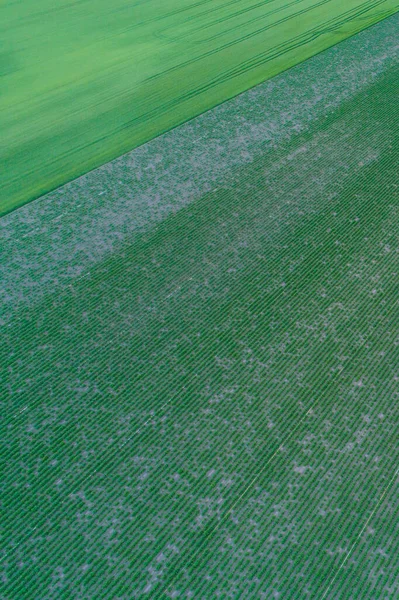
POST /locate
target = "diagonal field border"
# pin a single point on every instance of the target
(80, 91)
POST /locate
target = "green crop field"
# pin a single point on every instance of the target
(207, 407)
(84, 82)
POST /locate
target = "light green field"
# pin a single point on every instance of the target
(84, 82)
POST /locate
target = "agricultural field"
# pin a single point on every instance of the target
(200, 339)
(84, 82)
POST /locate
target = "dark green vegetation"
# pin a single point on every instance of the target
(84, 82)
(213, 410)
